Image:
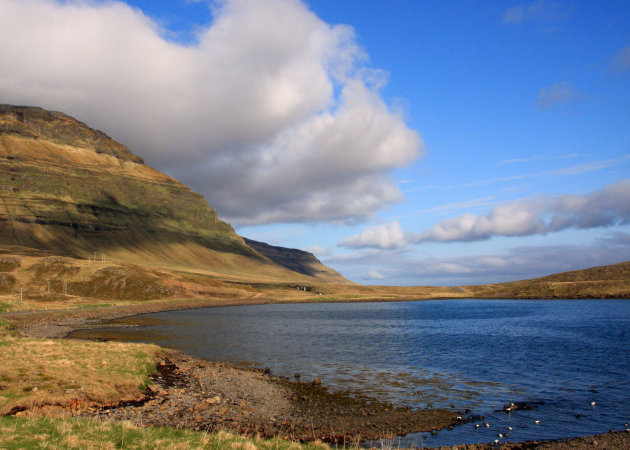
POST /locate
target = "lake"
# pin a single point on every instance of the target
(556, 356)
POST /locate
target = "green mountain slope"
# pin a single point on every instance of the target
(72, 190)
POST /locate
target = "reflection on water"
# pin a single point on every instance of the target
(458, 354)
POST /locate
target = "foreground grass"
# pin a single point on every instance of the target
(59, 372)
(53, 374)
(16, 433)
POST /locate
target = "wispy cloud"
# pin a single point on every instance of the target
(515, 264)
(621, 61)
(518, 160)
(555, 95)
(317, 250)
(474, 203)
(539, 158)
(540, 215)
(577, 169)
(247, 106)
(541, 10)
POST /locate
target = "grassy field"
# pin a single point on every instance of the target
(50, 433)
(37, 282)
(59, 376)
(55, 379)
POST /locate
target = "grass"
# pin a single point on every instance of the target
(95, 305)
(53, 374)
(16, 433)
(4, 307)
(6, 329)
(611, 281)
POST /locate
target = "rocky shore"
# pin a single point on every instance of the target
(202, 395)
(206, 396)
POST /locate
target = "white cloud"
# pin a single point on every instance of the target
(386, 236)
(515, 264)
(607, 207)
(556, 94)
(271, 123)
(375, 275)
(577, 169)
(317, 250)
(540, 11)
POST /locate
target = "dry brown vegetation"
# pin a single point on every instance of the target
(611, 281)
(31, 280)
(61, 376)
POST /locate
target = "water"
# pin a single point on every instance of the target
(478, 355)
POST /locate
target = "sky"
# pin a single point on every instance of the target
(402, 142)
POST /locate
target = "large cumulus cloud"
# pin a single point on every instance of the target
(270, 122)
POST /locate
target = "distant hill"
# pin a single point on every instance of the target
(296, 260)
(611, 281)
(71, 190)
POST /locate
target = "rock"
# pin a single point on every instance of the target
(200, 406)
(214, 400)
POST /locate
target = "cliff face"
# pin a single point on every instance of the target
(69, 189)
(56, 127)
(297, 261)
(82, 186)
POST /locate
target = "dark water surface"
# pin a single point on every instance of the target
(459, 354)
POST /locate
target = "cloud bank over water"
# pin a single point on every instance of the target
(271, 123)
(607, 207)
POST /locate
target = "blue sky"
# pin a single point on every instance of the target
(403, 142)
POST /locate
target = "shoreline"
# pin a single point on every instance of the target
(310, 399)
(59, 323)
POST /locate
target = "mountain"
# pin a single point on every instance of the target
(81, 216)
(70, 190)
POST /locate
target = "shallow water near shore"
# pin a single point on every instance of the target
(554, 357)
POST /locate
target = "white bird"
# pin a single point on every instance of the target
(537, 422)
(592, 403)
(510, 428)
(487, 425)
